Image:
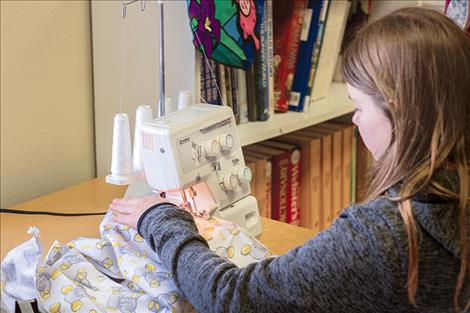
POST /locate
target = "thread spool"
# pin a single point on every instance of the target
(143, 115)
(184, 99)
(121, 160)
(169, 105)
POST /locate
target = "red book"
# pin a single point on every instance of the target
(287, 24)
(280, 179)
(294, 179)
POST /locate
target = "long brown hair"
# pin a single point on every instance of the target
(415, 64)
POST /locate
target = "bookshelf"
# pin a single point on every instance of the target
(332, 106)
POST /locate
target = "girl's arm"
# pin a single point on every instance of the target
(351, 267)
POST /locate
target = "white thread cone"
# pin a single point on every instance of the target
(184, 99)
(143, 115)
(169, 105)
(121, 160)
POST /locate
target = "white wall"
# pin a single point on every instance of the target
(46, 98)
(141, 63)
(382, 7)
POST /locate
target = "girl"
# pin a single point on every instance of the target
(406, 248)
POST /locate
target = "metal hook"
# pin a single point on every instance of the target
(125, 4)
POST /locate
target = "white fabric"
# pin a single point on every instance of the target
(118, 272)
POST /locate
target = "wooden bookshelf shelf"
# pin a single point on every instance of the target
(334, 105)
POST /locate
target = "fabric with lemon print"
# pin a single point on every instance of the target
(118, 272)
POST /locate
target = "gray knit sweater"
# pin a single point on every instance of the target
(359, 264)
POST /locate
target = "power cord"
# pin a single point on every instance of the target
(12, 211)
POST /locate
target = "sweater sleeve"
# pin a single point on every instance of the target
(350, 267)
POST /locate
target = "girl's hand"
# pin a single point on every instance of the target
(128, 211)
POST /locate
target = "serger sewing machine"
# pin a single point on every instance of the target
(194, 156)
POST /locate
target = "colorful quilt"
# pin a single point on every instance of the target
(227, 30)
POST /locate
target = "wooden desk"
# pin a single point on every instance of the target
(95, 196)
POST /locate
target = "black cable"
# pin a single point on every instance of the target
(48, 213)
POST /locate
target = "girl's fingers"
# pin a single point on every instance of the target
(121, 209)
(120, 218)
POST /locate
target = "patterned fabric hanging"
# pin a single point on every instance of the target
(227, 31)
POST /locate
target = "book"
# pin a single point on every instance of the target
(347, 161)
(222, 83)
(308, 37)
(251, 93)
(269, 21)
(334, 31)
(241, 95)
(251, 164)
(210, 79)
(228, 87)
(294, 179)
(234, 93)
(325, 173)
(363, 159)
(287, 24)
(316, 53)
(261, 71)
(262, 181)
(310, 194)
(337, 166)
(280, 185)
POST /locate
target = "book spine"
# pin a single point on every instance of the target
(221, 73)
(354, 164)
(261, 69)
(337, 173)
(316, 216)
(287, 20)
(212, 79)
(234, 89)
(270, 64)
(269, 182)
(316, 53)
(251, 92)
(280, 186)
(295, 180)
(308, 37)
(347, 159)
(252, 166)
(202, 78)
(241, 96)
(326, 183)
(228, 87)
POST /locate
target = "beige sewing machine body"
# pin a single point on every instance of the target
(194, 156)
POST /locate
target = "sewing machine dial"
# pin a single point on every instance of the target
(244, 175)
(226, 141)
(211, 148)
(230, 182)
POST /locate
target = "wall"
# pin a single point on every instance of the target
(126, 63)
(383, 7)
(46, 98)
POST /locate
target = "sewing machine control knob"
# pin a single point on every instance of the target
(226, 141)
(230, 182)
(211, 148)
(244, 175)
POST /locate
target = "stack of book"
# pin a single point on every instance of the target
(306, 177)
(300, 42)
